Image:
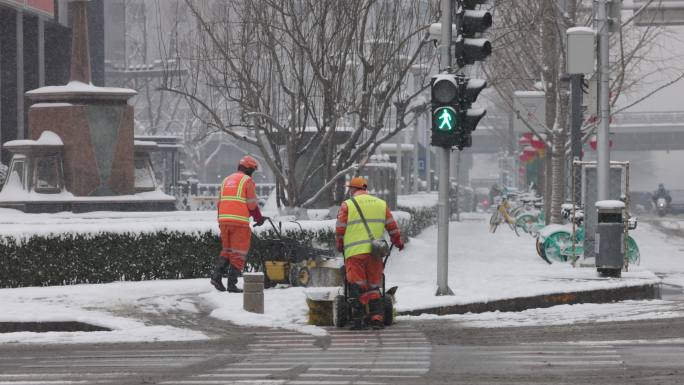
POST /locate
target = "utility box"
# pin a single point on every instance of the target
(580, 50)
(530, 110)
(609, 243)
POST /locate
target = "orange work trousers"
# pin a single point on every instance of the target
(235, 240)
(365, 271)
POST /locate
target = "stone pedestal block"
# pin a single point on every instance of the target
(98, 144)
(253, 296)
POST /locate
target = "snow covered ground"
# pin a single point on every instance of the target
(482, 267)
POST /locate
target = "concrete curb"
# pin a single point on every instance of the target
(649, 291)
(50, 326)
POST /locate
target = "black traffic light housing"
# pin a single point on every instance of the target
(470, 117)
(453, 118)
(453, 121)
(467, 48)
(446, 95)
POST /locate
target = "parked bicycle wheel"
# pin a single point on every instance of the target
(539, 245)
(513, 226)
(555, 246)
(526, 222)
(494, 221)
(633, 251)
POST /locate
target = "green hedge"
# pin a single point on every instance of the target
(63, 259)
(75, 258)
(421, 218)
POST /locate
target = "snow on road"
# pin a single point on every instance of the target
(482, 267)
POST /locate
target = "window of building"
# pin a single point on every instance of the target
(47, 174)
(144, 177)
(18, 167)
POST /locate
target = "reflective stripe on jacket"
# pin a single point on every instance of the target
(356, 240)
(237, 193)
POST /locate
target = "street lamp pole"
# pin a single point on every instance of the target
(603, 149)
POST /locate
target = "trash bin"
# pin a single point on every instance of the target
(610, 232)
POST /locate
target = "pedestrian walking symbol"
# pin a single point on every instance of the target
(444, 119)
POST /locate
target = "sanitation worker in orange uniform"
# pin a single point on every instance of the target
(237, 202)
(363, 271)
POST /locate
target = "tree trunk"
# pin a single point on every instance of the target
(560, 137)
(550, 82)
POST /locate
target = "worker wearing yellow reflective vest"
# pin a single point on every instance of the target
(237, 202)
(363, 271)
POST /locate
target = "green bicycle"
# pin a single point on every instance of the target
(555, 243)
(530, 222)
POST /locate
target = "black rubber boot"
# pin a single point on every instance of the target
(357, 311)
(376, 311)
(233, 274)
(217, 276)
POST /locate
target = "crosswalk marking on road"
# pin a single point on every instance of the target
(568, 357)
(99, 366)
(275, 357)
(396, 354)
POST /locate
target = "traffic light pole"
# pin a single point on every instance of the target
(444, 163)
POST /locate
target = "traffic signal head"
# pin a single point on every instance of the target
(445, 89)
(468, 51)
(472, 118)
(470, 4)
(476, 21)
(471, 22)
(446, 95)
(472, 88)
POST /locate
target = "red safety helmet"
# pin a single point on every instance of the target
(249, 162)
(358, 182)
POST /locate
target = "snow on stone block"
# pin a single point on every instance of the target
(320, 304)
(610, 204)
(47, 138)
(75, 86)
(50, 105)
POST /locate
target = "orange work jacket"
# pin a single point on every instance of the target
(237, 199)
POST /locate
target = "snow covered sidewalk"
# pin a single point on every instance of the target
(482, 267)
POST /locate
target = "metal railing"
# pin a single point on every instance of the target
(191, 195)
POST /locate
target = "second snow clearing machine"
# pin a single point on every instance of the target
(285, 259)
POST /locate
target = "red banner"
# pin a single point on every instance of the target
(42, 7)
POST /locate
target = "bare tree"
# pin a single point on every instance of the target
(316, 85)
(528, 50)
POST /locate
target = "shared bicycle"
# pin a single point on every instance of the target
(559, 243)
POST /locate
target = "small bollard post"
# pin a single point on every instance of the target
(253, 295)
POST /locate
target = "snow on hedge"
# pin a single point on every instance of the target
(21, 226)
(420, 200)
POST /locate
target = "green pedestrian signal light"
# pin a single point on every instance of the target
(446, 111)
(445, 119)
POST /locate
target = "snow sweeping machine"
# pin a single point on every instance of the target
(287, 260)
(341, 309)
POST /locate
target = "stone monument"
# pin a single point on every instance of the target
(100, 163)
